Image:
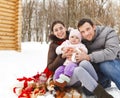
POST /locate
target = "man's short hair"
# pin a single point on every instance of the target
(84, 20)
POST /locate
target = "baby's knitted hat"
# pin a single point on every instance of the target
(75, 32)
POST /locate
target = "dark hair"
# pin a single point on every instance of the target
(56, 22)
(84, 20)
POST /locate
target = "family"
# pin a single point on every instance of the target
(88, 56)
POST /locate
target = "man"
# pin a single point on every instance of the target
(103, 51)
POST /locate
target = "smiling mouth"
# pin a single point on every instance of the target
(60, 35)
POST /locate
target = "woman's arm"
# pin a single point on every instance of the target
(54, 60)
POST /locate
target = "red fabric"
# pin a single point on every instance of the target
(36, 77)
(59, 42)
(48, 72)
(26, 80)
(26, 93)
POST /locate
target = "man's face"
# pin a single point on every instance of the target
(87, 31)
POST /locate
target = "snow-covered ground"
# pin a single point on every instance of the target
(31, 59)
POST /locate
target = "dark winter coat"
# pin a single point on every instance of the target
(54, 60)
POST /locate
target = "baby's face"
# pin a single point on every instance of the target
(74, 39)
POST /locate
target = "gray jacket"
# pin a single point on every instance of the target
(104, 46)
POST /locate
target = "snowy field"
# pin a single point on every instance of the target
(31, 59)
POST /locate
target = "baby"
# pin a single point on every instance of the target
(73, 44)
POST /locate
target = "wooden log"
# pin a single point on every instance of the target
(7, 38)
(7, 48)
(7, 34)
(7, 2)
(7, 14)
(7, 6)
(7, 29)
(7, 22)
(7, 42)
(14, 1)
(7, 18)
(6, 26)
(7, 10)
(3, 10)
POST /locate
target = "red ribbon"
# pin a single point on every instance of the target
(26, 93)
(26, 80)
(26, 90)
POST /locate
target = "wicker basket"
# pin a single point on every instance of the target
(10, 25)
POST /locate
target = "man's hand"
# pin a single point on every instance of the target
(82, 56)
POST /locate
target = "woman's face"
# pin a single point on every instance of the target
(59, 31)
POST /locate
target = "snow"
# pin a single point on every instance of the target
(31, 59)
(13, 64)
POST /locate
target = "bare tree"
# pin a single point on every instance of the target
(38, 15)
(27, 17)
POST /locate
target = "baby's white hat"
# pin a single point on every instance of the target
(75, 32)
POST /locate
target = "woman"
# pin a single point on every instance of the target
(85, 68)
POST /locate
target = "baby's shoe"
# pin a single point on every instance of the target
(62, 81)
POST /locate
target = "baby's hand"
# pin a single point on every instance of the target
(66, 49)
(67, 52)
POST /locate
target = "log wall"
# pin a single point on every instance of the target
(10, 24)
